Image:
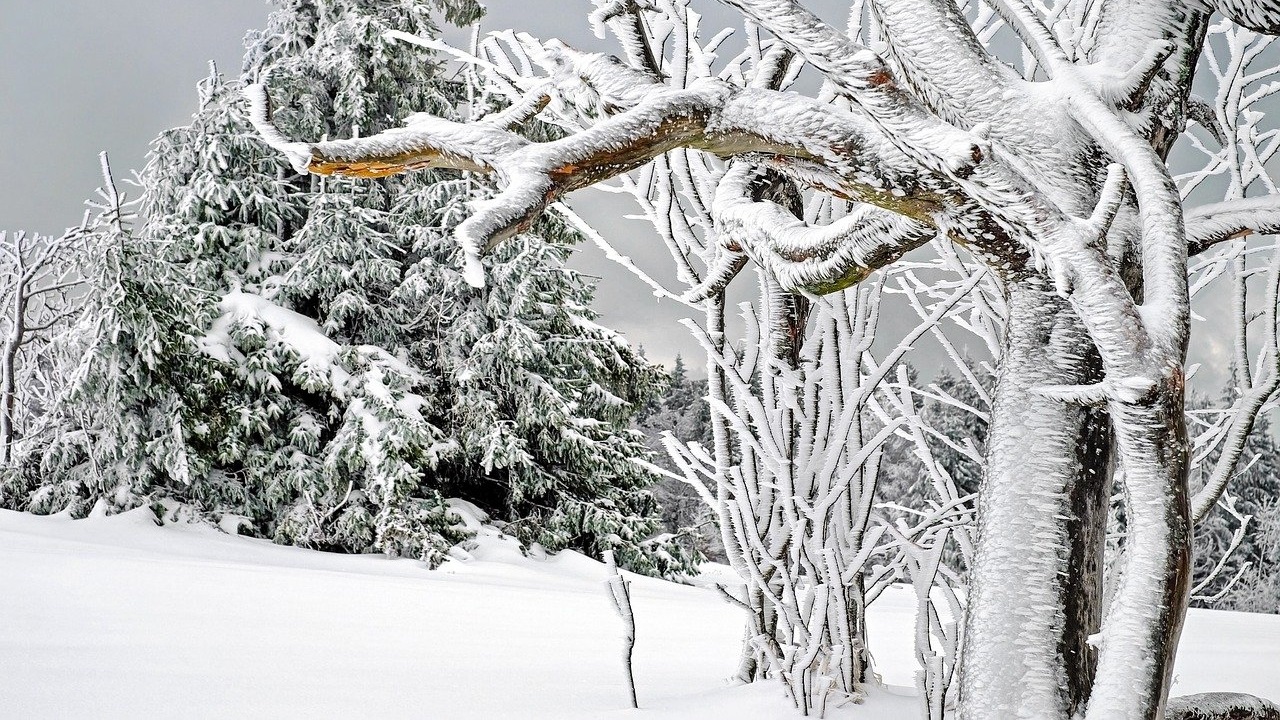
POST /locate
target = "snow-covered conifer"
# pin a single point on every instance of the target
(538, 395)
(127, 428)
(294, 356)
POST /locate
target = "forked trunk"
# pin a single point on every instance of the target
(1036, 600)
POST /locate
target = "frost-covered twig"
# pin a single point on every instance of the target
(1208, 225)
(620, 595)
(1237, 536)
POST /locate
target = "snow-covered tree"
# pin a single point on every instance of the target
(41, 291)
(538, 395)
(117, 429)
(532, 396)
(1049, 164)
(682, 411)
(298, 358)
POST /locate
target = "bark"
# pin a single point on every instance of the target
(1140, 634)
(1089, 499)
(1046, 475)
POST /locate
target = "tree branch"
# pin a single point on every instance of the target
(942, 60)
(814, 259)
(1261, 16)
(711, 116)
(626, 19)
(1209, 225)
(863, 76)
(1246, 411)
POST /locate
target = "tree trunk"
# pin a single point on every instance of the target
(8, 402)
(1037, 577)
(1139, 638)
(8, 378)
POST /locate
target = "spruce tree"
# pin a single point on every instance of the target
(683, 411)
(302, 357)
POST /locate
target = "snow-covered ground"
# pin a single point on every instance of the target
(115, 617)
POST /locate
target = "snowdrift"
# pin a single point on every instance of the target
(118, 618)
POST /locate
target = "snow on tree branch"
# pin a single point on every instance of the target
(817, 259)
(864, 77)
(711, 116)
(1258, 15)
(1208, 225)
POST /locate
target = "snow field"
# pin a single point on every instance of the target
(117, 618)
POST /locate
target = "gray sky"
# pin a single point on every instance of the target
(80, 76)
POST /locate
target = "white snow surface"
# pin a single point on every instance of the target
(115, 617)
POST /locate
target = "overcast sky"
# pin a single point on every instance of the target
(80, 76)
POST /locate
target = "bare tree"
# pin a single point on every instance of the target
(792, 472)
(1049, 164)
(41, 292)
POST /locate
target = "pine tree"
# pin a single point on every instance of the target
(327, 377)
(683, 411)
